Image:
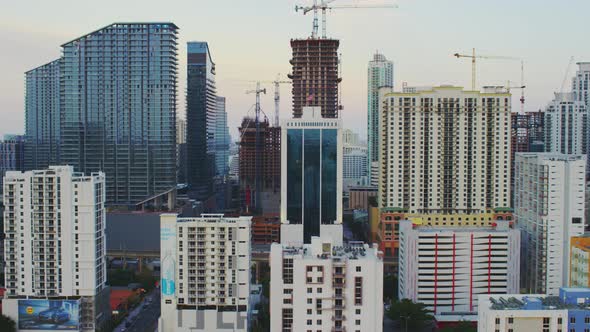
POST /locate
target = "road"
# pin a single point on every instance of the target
(144, 318)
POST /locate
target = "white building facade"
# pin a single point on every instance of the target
(325, 287)
(379, 74)
(55, 249)
(205, 276)
(446, 268)
(566, 125)
(445, 150)
(549, 210)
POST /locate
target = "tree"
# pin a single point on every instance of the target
(462, 326)
(410, 315)
(7, 324)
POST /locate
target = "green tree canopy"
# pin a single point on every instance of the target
(415, 315)
(7, 324)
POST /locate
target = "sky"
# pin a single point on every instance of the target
(249, 41)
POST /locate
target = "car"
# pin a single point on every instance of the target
(127, 324)
(54, 315)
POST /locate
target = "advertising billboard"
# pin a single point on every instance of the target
(58, 315)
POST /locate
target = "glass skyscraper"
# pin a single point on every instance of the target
(42, 116)
(312, 167)
(201, 109)
(117, 108)
(222, 138)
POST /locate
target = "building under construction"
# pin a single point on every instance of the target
(270, 166)
(315, 75)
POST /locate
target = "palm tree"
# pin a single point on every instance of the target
(411, 315)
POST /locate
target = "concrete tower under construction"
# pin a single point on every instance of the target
(315, 75)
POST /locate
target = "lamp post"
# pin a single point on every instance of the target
(406, 319)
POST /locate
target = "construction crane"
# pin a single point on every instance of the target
(278, 97)
(323, 5)
(473, 57)
(258, 146)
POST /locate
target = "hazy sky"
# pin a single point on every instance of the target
(249, 40)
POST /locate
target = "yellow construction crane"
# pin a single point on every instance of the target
(323, 5)
(473, 57)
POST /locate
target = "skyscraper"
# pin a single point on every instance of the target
(380, 74)
(445, 151)
(11, 155)
(566, 125)
(315, 76)
(201, 108)
(42, 115)
(55, 249)
(311, 178)
(118, 113)
(549, 210)
(205, 275)
(221, 138)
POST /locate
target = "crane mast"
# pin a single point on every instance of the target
(258, 146)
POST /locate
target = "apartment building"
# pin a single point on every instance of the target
(580, 261)
(322, 286)
(532, 312)
(445, 150)
(566, 125)
(549, 211)
(55, 249)
(205, 276)
(447, 267)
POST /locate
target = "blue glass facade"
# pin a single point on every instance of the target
(201, 111)
(109, 104)
(312, 178)
(42, 116)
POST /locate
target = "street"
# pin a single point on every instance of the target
(144, 318)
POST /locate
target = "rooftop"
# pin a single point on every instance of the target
(319, 249)
(568, 299)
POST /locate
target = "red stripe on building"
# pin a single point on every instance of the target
(435, 270)
(471, 277)
(489, 263)
(454, 258)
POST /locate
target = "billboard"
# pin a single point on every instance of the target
(58, 315)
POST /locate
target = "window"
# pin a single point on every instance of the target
(309, 301)
(357, 322)
(510, 320)
(309, 290)
(573, 320)
(358, 269)
(309, 322)
(497, 320)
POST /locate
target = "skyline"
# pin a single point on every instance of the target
(253, 53)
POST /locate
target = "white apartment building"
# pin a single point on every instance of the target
(55, 248)
(566, 125)
(447, 267)
(549, 210)
(581, 82)
(518, 312)
(445, 150)
(205, 275)
(326, 287)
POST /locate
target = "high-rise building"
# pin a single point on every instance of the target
(201, 109)
(221, 138)
(581, 82)
(354, 169)
(566, 125)
(43, 115)
(180, 131)
(379, 74)
(533, 312)
(118, 92)
(12, 155)
(549, 210)
(580, 261)
(322, 286)
(445, 150)
(447, 267)
(270, 166)
(55, 249)
(181, 157)
(205, 275)
(315, 76)
(311, 178)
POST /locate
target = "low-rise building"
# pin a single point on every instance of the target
(570, 311)
(358, 197)
(325, 287)
(580, 261)
(205, 276)
(447, 267)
